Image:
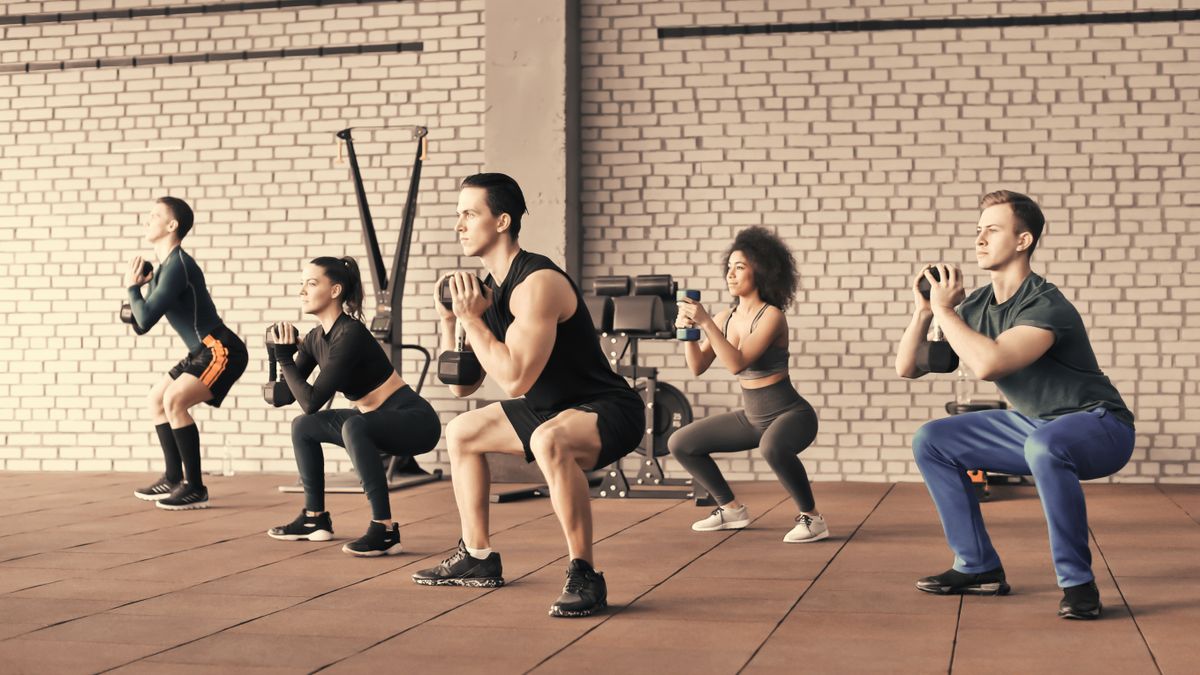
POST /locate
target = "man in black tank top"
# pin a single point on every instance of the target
(570, 413)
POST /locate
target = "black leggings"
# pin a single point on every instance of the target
(404, 425)
(782, 428)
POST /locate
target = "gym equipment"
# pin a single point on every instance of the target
(935, 356)
(687, 334)
(275, 391)
(402, 471)
(126, 312)
(923, 283)
(459, 366)
(648, 314)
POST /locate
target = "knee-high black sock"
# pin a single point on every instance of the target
(188, 440)
(166, 439)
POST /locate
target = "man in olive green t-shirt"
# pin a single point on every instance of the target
(1069, 422)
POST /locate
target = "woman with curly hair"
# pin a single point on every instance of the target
(751, 340)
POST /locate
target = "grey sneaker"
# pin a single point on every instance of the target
(724, 519)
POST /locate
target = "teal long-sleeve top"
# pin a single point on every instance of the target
(177, 291)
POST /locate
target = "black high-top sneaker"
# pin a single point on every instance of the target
(312, 528)
(584, 593)
(185, 497)
(953, 582)
(460, 569)
(160, 489)
(1080, 602)
(379, 540)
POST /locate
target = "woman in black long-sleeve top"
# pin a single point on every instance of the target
(388, 417)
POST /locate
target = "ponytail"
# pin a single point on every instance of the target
(344, 272)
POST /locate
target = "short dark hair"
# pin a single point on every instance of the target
(774, 266)
(1028, 213)
(181, 213)
(503, 196)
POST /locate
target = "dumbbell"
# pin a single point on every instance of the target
(126, 313)
(923, 283)
(275, 391)
(936, 356)
(459, 366)
(687, 334)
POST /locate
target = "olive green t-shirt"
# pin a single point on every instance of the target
(1066, 378)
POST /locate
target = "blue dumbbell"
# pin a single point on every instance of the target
(688, 334)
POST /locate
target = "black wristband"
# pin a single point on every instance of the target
(285, 353)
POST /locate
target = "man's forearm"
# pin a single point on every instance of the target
(493, 354)
(913, 338)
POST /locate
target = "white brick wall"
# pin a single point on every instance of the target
(867, 152)
(250, 145)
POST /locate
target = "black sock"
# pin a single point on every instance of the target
(166, 439)
(187, 439)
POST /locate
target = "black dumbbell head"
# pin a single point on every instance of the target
(923, 283)
(459, 368)
(147, 268)
(444, 292)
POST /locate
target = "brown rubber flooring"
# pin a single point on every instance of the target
(93, 580)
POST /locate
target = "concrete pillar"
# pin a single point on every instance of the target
(531, 127)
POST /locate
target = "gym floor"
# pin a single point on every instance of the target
(108, 583)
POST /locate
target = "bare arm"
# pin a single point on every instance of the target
(699, 354)
(537, 304)
(989, 359)
(751, 347)
(914, 337)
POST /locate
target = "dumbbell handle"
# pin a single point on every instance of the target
(690, 334)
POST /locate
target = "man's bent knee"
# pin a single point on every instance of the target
(462, 434)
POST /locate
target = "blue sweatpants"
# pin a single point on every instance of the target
(1057, 453)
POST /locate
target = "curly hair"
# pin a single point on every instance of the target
(774, 267)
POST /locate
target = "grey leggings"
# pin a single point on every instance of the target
(776, 419)
(405, 424)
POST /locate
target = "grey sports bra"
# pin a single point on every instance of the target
(773, 360)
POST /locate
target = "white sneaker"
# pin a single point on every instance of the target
(807, 529)
(724, 519)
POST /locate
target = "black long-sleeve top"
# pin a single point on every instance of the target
(351, 362)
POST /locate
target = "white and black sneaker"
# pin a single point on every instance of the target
(310, 528)
(161, 489)
(185, 497)
(379, 540)
(724, 519)
(808, 528)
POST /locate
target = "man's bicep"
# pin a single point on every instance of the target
(1023, 345)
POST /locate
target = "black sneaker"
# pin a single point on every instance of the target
(379, 540)
(184, 497)
(953, 582)
(1080, 602)
(584, 593)
(461, 569)
(312, 528)
(161, 489)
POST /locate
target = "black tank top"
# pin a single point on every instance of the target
(577, 371)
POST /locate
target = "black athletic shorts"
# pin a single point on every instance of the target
(218, 362)
(620, 419)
